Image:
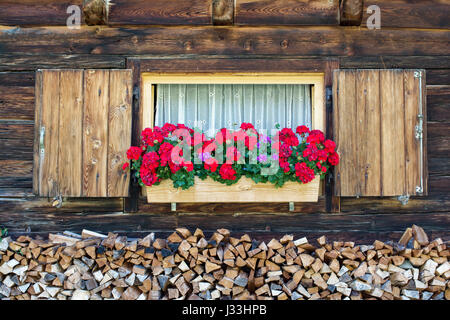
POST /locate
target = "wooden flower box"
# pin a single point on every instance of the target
(245, 190)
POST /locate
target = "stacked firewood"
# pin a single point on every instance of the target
(190, 266)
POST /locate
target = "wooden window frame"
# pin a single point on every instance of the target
(231, 65)
(149, 80)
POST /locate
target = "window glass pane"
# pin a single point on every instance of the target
(211, 107)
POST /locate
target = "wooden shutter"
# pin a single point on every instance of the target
(82, 132)
(375, 116)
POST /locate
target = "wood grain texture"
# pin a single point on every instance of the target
(160, 12)
(438, 103)
(49, 119)
(26, 62)
(95, 133)
(213, 40)
(392, 133)
(70, 132)
(283, 12)
(245, 190)
(16, 102)
(345, 133)
(411, 13)
(368, 132)
(119, 130)
(30, 12)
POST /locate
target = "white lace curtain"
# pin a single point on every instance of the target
(211, 107)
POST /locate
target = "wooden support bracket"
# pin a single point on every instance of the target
(351, 12)
(223, 12)
(95, 12)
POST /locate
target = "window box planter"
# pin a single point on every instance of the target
(245, 190)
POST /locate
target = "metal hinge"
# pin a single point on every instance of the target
(404, 199)
(57, 201)
(419, 127)
(41, 141)
(417, 74)
(291, 206)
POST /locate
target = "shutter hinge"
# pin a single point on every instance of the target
(403, 199)
(417, 74)
(57, 201)
(41, 141)
(419, 128)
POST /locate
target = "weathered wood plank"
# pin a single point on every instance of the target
(119, 131)
(208, 64)
(385, 61)
(392, 141)
(368, 132)
(362, 225)
(286, 41)
(17, 79)
(412, 154)
(438, 77)
(95, 133)
(16, 102)
(345, 112)
(160, 12)
(410, 14)
(231, 208)
(284, 12)
(438, 138)
(45, 60)
(437, 202)
(29, 12)
(16, 174)
(70, 132)
(438, 103)
(48, 161)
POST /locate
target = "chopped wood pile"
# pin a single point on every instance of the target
(190, 266)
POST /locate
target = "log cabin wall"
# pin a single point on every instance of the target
(413, 34)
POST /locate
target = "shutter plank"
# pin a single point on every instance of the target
(119, 131)
(412, 145)
(37, 127)
(48, 171)
(70, 132)
(95, 135)
(347, 133)
(392, 133)
(368, 132)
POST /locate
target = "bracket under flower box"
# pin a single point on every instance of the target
(245, 190)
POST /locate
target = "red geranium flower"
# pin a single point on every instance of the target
(304, 173)
(301, 130)
(125, 165)
(134, 153)
(288, 136)
(227, 172)
(285, 151)
(246, 126)
(330, 146)
(333, 159)
(150, 160)
(165, 150)
(315, 136)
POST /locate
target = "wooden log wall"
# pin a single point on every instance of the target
(413, 34)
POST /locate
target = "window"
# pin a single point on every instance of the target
(213, 101)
